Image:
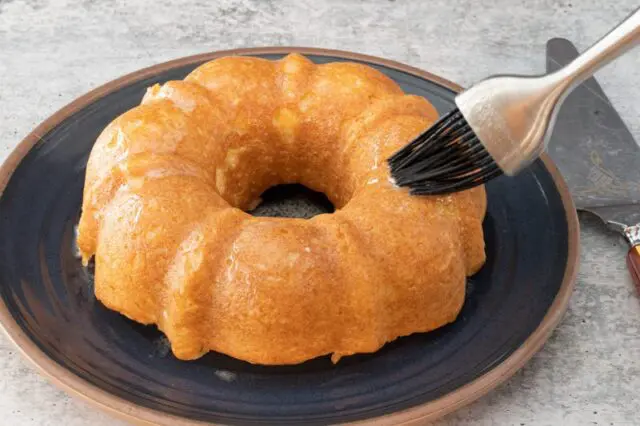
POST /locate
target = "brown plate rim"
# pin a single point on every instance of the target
(429, 411)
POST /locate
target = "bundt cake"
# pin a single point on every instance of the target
(169, 182)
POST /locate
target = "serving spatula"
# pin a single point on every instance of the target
(598, 156)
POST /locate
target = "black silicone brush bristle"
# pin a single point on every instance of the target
(446, 158)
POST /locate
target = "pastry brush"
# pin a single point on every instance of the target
(500, 125)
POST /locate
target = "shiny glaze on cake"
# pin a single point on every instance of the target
(168, 184)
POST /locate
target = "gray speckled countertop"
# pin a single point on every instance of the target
(52, 51)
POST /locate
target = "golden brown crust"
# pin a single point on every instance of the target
(167, 183)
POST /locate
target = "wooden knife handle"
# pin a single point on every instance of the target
(633, 263)
(632, 234)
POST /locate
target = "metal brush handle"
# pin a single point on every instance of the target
(618, 41)
(513, 116)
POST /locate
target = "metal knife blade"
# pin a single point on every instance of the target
(594, 150)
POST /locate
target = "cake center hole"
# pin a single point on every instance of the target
(292, 200)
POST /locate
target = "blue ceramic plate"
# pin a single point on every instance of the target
(48, 308)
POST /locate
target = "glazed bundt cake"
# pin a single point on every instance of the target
(169, 182)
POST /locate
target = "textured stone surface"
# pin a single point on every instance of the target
(52, 51)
